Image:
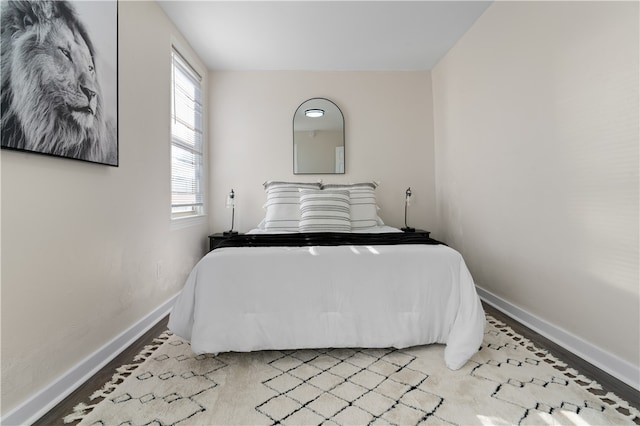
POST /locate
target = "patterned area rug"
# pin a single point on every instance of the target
(509, 381)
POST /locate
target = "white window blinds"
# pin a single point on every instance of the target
(186, 140)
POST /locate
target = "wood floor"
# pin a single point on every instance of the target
(609, 383)
(55, 416)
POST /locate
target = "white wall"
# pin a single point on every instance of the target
(536, 136)
(388, 132)
(81, 242)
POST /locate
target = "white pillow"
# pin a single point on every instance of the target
(283, 205)
(324, 210)
(364, 210)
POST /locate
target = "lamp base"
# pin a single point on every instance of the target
(229, 233)
(408, 229)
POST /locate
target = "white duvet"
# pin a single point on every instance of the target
(256, 298)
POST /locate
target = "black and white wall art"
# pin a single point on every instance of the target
(59, 67)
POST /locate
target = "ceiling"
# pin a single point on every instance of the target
(322, 35)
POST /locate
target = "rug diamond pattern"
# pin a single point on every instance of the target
(367, 383)
(509, 381)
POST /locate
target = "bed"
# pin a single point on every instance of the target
(309, 283)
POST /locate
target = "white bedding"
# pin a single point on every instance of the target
(256, 298)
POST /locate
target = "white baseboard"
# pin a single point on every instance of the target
(605, 361)
(37, 405)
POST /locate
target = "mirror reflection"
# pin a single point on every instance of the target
(318, 138)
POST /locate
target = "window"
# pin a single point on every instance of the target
(186, 140)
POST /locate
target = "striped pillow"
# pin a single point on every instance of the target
(283, 205)
(364, 210)
(324, 211)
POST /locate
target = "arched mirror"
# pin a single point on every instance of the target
(318, 138)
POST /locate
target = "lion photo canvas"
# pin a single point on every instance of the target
(59, 66)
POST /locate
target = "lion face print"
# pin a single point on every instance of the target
(79, 90)
(51, 98)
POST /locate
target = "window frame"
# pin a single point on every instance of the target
(186, 135)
